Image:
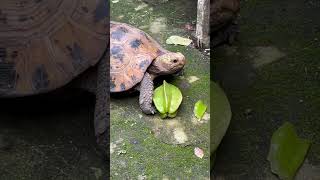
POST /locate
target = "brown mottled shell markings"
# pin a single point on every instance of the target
(131, 53)
(45, 44)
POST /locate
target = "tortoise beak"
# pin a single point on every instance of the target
(179, 73)
(181, 58)
(181, 63)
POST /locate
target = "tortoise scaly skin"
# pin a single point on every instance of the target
(44, 45)
(136, 59)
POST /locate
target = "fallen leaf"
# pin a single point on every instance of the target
(287, 151)
(192, 79)
(167, 99)
(177, 40)
(198, 152)
(220, 117)
(115, 1)
(199, 109)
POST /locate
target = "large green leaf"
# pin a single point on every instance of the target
(287, 151)
(220, 113)
(167, 99)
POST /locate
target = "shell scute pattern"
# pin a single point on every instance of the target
(132, 52)
(49, 43)
(135, 43)
(119, 33)
(117, 52)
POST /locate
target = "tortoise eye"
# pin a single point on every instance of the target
(175, 61)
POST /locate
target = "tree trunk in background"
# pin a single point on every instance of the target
(203, 26)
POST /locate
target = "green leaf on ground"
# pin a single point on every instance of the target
(177, 40)
(167, 99)
(287, 151)
(199, 109)
(220, 115)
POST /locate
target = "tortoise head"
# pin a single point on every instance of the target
(168, 63)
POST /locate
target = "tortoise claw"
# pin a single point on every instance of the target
(151, 110)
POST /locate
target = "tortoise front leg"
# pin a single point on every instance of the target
(102, 112)
(146, 93)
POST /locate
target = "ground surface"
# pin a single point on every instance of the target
(147, 146)
(270, 75)
(49, 137)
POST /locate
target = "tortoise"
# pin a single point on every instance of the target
(136, 59)
(223, 14)
(44, 45)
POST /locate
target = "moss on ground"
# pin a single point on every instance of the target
(147, 146)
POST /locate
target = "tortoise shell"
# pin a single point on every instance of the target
(45, 44)
(131, 53)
